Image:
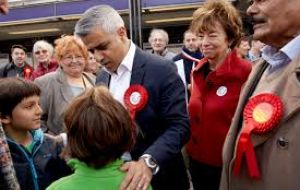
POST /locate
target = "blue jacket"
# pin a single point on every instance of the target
(36, 170)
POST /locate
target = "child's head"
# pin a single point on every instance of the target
(19, 103)
(99, 128)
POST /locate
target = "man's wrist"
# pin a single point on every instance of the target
(150, 162)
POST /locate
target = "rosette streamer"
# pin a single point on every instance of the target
(261, 114)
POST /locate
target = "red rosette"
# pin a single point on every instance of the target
(264, 112)
(261, 114)
(27, 73)
(135, 98)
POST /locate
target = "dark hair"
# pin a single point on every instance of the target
(99, 128)
(13, 47)
(205, 17)
(13, 91)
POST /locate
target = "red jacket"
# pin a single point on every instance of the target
(40, 70)
(212, 105)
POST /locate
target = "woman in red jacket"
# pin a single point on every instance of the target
(42, 56)
(216, 84)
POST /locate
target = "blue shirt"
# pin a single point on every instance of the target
(284, 56)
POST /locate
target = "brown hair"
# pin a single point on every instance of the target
(205, 17)
(13, 91)
(99, 128)
(13, 47)
(69, 44)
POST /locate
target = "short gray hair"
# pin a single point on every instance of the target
(161, 31)
(102, 16)
(42, 44)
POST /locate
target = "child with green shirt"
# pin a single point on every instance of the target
(99, 131)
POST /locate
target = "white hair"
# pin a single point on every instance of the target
(42, 44)
(102, 16)
(159, 31)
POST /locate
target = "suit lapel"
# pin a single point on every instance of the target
(248, 89)
(291, 91)
(246, 93)
(65, 89)
(138, 68)
(290, 96)
(103, 78)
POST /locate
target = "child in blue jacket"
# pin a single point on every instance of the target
(35, 155)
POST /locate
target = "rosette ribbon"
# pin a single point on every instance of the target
(135, 99)
(261, 114)
(27, 73)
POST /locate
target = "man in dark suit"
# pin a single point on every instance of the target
(163, 124)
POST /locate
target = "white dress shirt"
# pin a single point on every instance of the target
(120, 80)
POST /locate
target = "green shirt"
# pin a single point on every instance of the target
(108, 177)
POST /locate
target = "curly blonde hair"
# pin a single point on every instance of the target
(205, 17)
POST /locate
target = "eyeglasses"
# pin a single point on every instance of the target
(39, 52)
(70, 58)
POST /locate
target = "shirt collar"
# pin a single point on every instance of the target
(292, 49)
(127, 61)
(108, 170)
(276, 58)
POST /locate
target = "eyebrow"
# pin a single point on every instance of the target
(100, 46)
(30, 102)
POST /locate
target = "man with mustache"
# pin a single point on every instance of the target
(18, 66)
(261, 151)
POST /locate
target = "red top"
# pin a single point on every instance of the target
(212, 105)
(40, 70)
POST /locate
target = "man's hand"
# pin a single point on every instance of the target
(138, 175)
(3, 6)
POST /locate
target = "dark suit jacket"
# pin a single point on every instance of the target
(163, 122)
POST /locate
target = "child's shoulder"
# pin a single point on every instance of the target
(53, 139)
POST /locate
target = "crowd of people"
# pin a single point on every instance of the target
(97, 112)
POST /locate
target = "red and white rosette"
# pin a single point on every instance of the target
(27, 73)
(135, 99)
(261, 114)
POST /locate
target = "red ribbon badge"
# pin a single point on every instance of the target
(135, 98)
(27, 73)
(261, 114)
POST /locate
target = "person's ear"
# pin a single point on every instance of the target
(5, 119)
(122, 32)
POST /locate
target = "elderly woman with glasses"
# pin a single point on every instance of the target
(61, 86)
(42, 57)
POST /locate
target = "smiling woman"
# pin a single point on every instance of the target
(69, 80)
(42, 56)
(216, 83)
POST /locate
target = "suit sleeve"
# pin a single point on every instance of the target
(173, 115)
